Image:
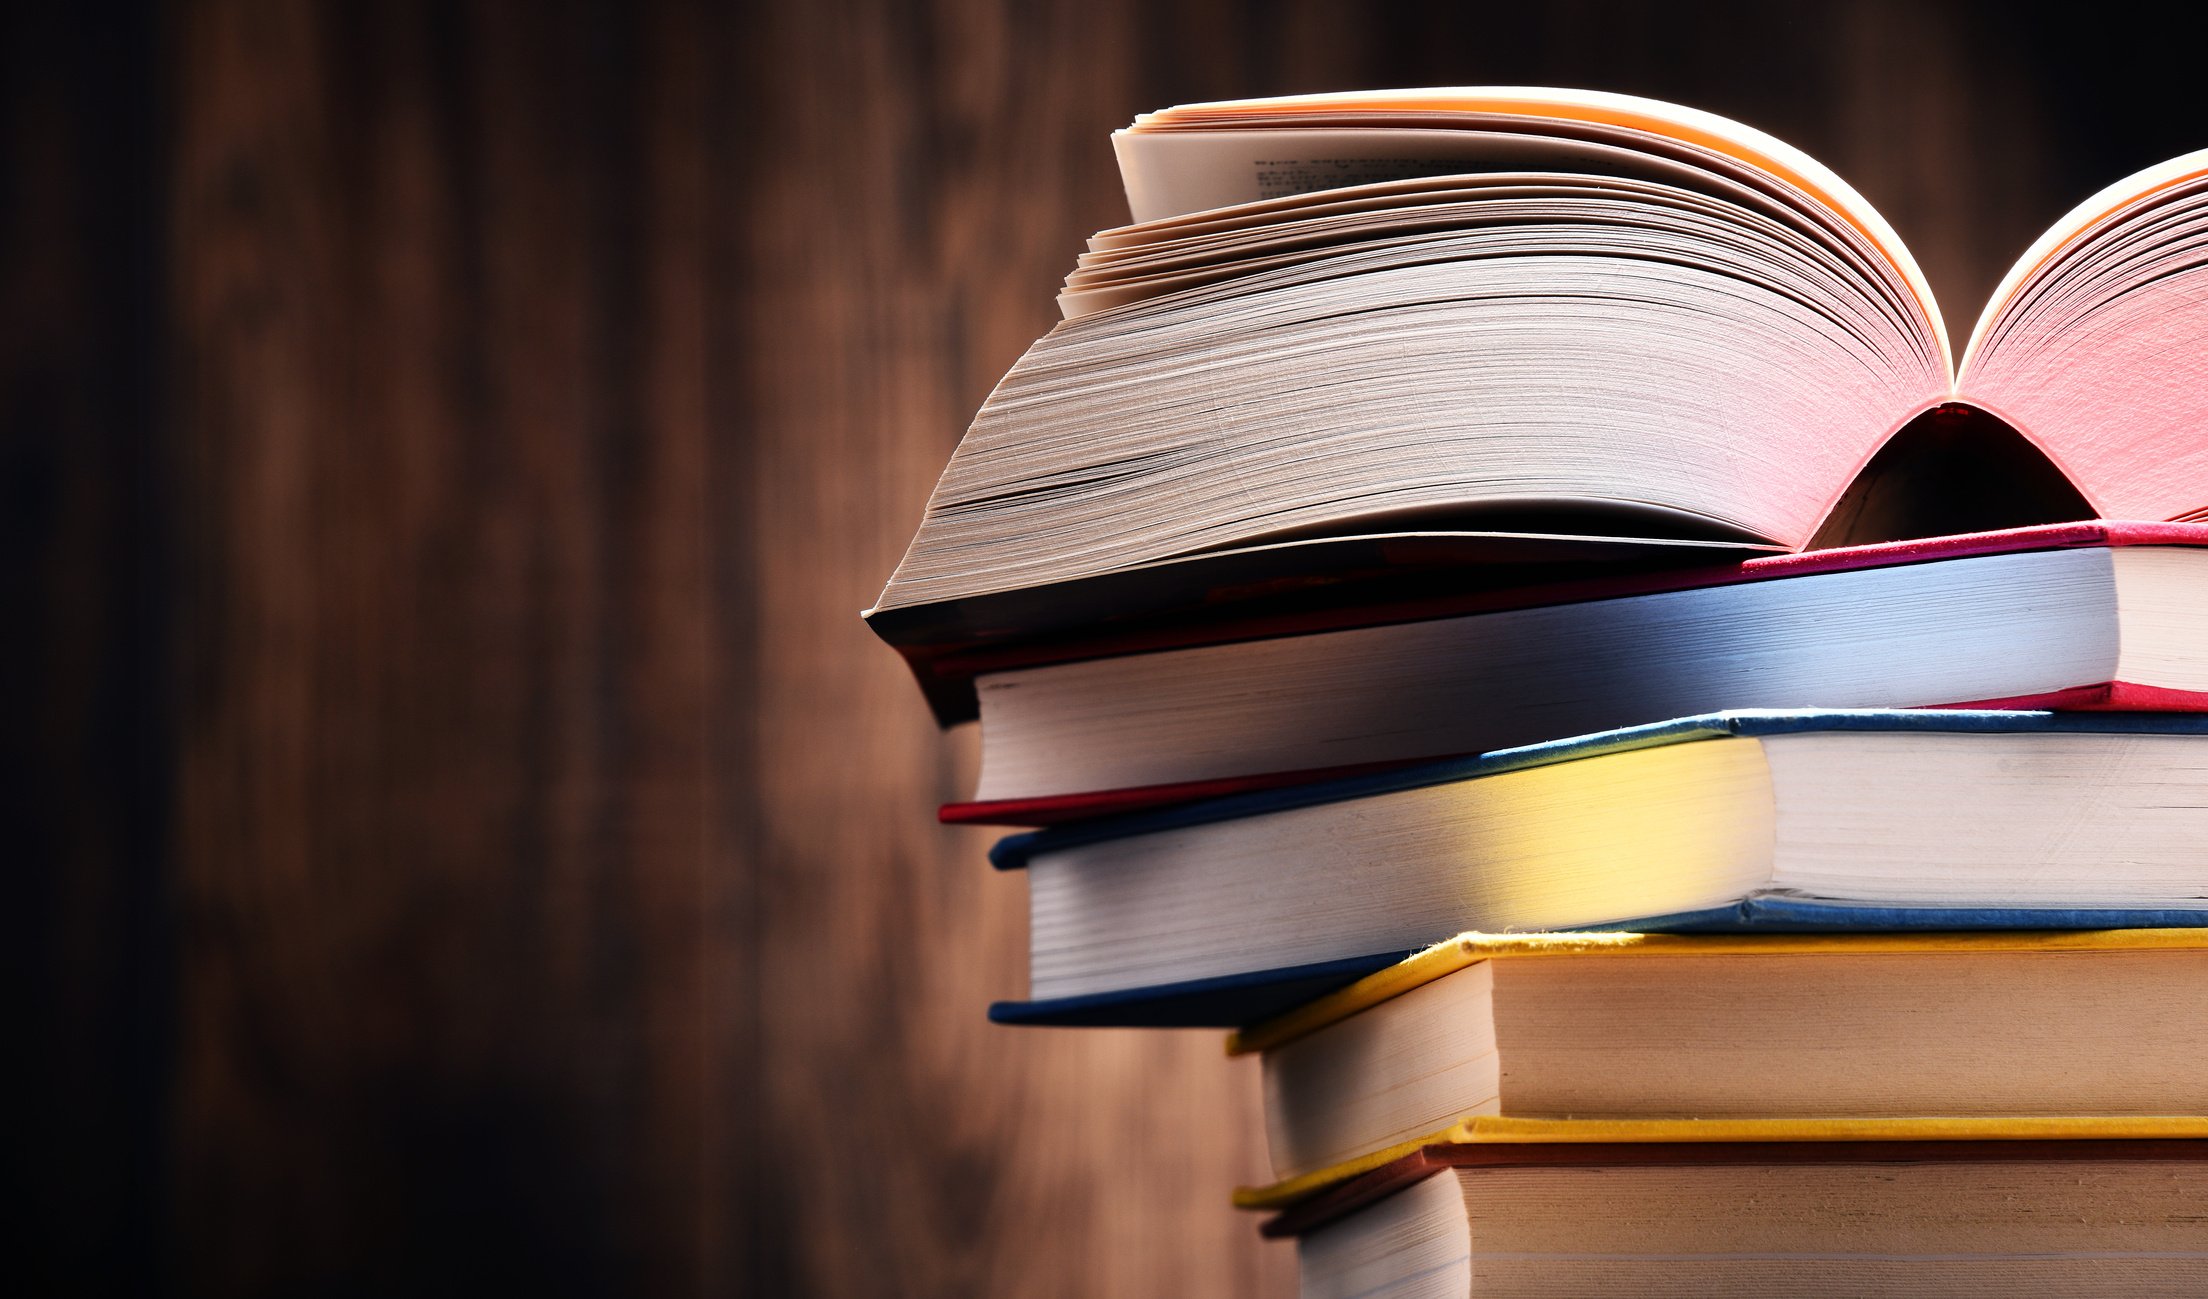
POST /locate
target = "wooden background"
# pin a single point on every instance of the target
(464, 839)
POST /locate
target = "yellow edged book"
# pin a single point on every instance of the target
(1614, 1038)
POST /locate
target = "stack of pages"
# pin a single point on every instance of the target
(1509, 599)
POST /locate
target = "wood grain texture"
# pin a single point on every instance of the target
(996, 1162)
(439, 391)
(474, 844)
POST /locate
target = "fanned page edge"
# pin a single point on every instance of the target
(2076, 225)
(1815, 186)
(1736, 140)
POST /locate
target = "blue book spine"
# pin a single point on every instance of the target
(1017, 850)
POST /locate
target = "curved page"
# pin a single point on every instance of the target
(1550, 357)
(1158, 179)
(2097, 346)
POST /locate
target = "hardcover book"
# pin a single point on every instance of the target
(1939, 1025)
(2090, 1216)
(1228, 911)
(2074, 616)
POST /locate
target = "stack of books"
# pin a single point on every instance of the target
(1508, 599)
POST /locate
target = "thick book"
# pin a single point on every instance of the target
(1262, 589)
(2073, 616)
(2094, 1215)
(1475, 315)
(1227, 911)
(1943, 1025)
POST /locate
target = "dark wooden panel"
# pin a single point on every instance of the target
(923, 172)
(439, 372)
(475, 845)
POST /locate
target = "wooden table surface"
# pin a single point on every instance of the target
(470, 841)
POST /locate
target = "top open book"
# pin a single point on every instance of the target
(1542, 312)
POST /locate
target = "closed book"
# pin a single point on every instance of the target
(2098, 1213)
(2077, 616)
(1868, 820)
(1940, 1026)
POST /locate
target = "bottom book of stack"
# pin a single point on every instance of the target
(1802, 1218)
(1991, 1113)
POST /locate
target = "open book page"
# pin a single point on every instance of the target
(2076, 226)
(1230, 246)
(2096, 345)
(1617, 320)
(1159, 186)
(1179, 174)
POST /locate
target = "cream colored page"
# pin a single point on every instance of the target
(1103, 285)
(1443, 209)
(1174, 173)
(1458, 107)
(2074, 223)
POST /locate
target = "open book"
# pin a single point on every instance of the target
(1551, 313)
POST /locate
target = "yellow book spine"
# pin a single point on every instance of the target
(1454, 954)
